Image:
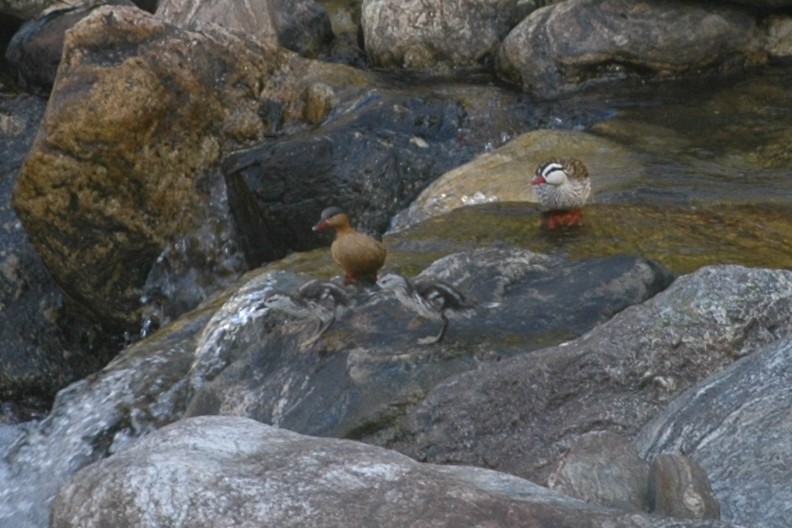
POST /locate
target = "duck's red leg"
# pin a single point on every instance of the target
(553, 219)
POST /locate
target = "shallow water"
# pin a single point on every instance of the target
(721, 140)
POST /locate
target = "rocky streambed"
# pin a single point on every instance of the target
(164, 179)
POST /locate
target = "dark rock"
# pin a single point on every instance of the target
(249, 474)
(559, 48)
(737, 424)
(44, 347)
(603, 468)
(678, 487)
(36, 49)
(368, 369)
(303, 26)
(518, 415)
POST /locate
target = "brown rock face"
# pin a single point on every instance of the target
(138, 113)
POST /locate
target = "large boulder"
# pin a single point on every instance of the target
(422, 35)
(737, 425)
(125, 162)
(362, 376)
(520, 414)
(561, 47)
(250, 474)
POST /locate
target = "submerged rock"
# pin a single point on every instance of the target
(249, 474)
(504, 174)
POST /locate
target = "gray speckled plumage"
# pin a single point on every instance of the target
(561, 184)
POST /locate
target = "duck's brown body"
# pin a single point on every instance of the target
(358, 254)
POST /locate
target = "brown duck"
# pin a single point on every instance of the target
(358, 254)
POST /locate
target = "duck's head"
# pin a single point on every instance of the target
(331, 217)
(392, 282)
(551, 173)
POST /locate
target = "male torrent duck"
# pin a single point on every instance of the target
(562, 186)
(430, 298)
(315, 299)
(358, 254)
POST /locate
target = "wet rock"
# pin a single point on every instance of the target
(518, 415)
(430, 35)
(735, 424)
(141, 390)
(559, 48)
(35, 51)
(247, 473)
(678, 487)
(368, 369)
(130, 118)
(44, 346)
(505, 174)
(603, 468)
(371, 159)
